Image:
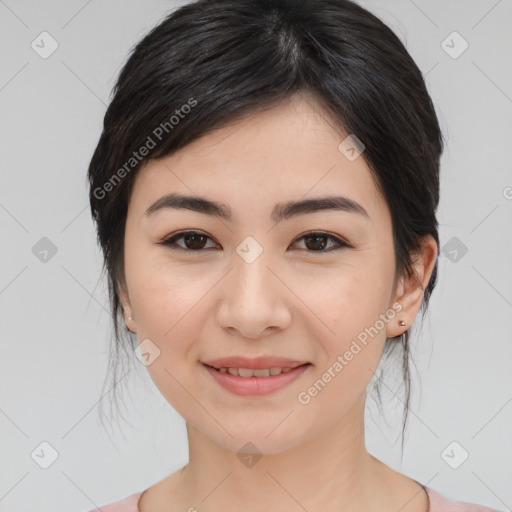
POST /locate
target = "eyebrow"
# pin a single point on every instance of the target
(281, 211)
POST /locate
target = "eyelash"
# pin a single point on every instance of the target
(171, 241)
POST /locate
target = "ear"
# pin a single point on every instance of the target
(409, 291)
(127, 309)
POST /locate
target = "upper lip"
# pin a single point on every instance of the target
(256, 363)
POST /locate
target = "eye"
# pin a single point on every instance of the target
(194, 241)
(317, 241)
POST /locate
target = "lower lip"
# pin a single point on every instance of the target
(255, 386)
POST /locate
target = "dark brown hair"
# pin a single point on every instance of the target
(212, 61)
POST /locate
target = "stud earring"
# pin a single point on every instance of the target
(129, 318)
(402, 322)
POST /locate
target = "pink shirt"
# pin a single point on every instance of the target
(438, 503)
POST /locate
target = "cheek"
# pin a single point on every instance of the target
(345, 299)
(170, 312)
(166, 301)
(352, 337)
(169, 306)
(349, 305)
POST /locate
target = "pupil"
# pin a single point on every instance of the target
(316, 238)
(194, 237)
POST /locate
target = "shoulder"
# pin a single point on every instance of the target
(128, 504)
(440, 503)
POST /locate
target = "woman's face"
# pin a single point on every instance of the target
(255, 284)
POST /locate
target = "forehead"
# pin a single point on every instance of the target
(288, 152)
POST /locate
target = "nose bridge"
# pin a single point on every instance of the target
(250, 301)
(252, 277)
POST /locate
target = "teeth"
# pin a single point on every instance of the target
(249, 372)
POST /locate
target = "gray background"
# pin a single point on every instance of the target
(54, 313)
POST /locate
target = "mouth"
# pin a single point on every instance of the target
(255, 372)
(254, 363)
(255, 381)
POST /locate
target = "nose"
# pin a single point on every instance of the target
(253, 299)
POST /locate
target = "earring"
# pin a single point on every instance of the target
(129, 318)
(402, 322)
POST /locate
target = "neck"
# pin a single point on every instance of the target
(329, 470)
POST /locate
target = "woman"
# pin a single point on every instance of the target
(265, 191)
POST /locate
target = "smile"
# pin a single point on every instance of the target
(255, 382)
(250, 372)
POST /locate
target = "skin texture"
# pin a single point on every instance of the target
(292, 301)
